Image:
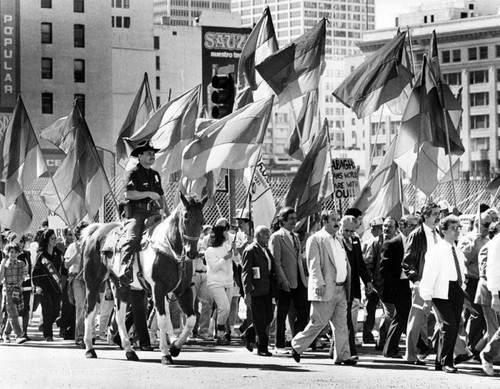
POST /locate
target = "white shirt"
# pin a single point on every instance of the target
(439, 270)
(267, 256)
(403, 275)
(493, 265)
(432, 238)
(340, 259)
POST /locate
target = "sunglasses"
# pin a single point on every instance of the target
(347, 230)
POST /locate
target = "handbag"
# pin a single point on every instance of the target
(16, 293)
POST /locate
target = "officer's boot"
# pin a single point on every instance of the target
(126, 276)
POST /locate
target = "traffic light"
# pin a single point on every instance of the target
(223, 95)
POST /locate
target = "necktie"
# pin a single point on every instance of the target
(457, 266)
(434, 235)
(294, 240)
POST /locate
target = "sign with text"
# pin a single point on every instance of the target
(9, 54)
(345, 178)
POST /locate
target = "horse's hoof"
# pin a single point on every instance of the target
(131, 356)
(167, 360)
(174, 351)
(90, 354)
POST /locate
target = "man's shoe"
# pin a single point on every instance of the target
(450, 369)
(487, 366)
(394, 356)
(223, 342)
(295, 355)
(368, 339)
(462, 358)
(347, 362)
(281, 350)
(21, 340)
(146, 348)
(80, 343)
(264, 353)
(248, 343)
(49, 339)
(418, 362)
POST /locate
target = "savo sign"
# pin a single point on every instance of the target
(8, 55)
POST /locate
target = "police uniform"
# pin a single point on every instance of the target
(139, 179)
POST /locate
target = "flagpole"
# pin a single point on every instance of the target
(331, 165)
(449, 151)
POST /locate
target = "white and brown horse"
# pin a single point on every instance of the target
(166, 264)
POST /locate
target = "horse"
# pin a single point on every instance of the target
(164, 266)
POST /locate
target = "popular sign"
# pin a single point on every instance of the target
(9, 54)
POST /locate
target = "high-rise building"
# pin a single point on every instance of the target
(469, 55)
(186, 12)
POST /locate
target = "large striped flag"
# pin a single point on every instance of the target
(296, 69)
(170, 129)
(379, 79)
(312, 182)
(78, 186)
(229, 142)
(305, 127)
(139, 113)
(260, 44)
(22, 160)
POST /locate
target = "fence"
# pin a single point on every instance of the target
(468, 194)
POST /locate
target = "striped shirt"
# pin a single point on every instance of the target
(14, 272)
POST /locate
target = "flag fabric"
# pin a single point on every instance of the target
(260, 44)
(397, 105)
(305, 127)
(494, 187)
(434, 57)
(262, 201)
(379, 79)
(296, 69)
(60, 134)
(305, 193)
(17, 216)
(22, 160)
(170, 129)
(139, 113)
(382, 194)
(77, 188)
(229, 142)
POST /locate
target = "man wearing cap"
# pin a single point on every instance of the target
(144, 195)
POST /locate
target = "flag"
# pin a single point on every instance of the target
(493, 187)
(422, 148)
(18, 215)
(379, 79)
(170, 129)
(260, 44)
(305, 193)
(305, 127)
(434, 57)
(382, 194)
(398, 104)
(296, 69)
(229, 142)
(60, 134)
(138, 114)
(262, 201)
(22, 160)
(78, 186)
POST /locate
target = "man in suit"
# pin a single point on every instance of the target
(290, 276)
(419, 241)
(258, 278)
(396, 285)
(328, 290)
(352, 246)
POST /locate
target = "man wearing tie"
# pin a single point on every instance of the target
(418, 242)
(258, 279)
(290, 276)
(443, 282)
(328, 290)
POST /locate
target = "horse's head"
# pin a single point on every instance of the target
(191, 224)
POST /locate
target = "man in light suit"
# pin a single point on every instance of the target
(258, 279)
(328, 290)
(291, 277)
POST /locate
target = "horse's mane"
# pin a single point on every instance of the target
(89, 230)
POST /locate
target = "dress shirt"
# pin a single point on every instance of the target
(403, 275)
(493, 265)
(439, 270)
(340, 258)
(431, 235)
(264, 250)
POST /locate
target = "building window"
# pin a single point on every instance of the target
(118, 3)
(78, 6)
(457, 55)
(472, 53)
(79, 70)
(157, 63)
(79, 35)
(126, 3)
(112, 21)
(483, 52)
(497, 51)
(119, 21)
(452, 78)
(157, 83)
(46, 32)
(479, 99)
(445, 55)
(157, 43)
(498, 98)
(47, 68)
(479, 121)
(478, 77)
(80, 100)
(47, 103)
(46, 4)
(158, 102)
(126, 22)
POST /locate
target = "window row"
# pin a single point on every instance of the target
(78, 5)
(473, 54)
(120, 22)
(78, 34)
(120, 3)
(48, 102)
(78, 72)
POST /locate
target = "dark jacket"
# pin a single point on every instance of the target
(414, 258)
(253, 259)
(358, 267)
(40, 275)
(392, 255)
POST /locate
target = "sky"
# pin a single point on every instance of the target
(387, 10)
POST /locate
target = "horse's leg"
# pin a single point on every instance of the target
(163, 320)
(90, 312)
(121, 311)
(186, 302)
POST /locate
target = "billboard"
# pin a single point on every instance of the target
(9, 54)
(221, 50)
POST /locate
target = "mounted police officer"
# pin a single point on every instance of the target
(144, 195)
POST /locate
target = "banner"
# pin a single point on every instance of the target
(345, 178)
